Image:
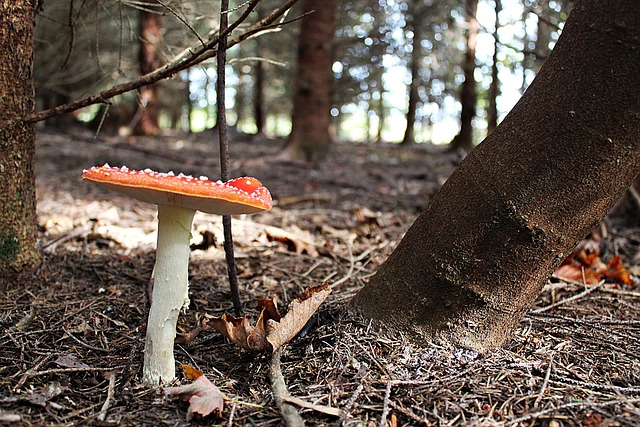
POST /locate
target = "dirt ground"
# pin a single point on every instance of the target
(73, 333)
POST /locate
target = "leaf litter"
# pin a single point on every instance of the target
(573, 360)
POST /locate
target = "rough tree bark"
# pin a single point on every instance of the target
(17, 139)
(150, 36)
(468, 95)
(311, 119)
(474, 260)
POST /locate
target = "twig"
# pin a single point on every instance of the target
(350, 402)
(82, 343)
(290, 416)
(107, 403)
(585, 404)
(409, 413)
(385, 406)
(69, 371)
(370, 356)
(352, 265)
(545, 383)
(31, 372)
(232, 270)
(587, 291)
(232, 414)
(324, 409)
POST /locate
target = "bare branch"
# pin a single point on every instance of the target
(187, 58)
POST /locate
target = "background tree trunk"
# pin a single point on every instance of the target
(414, 67)
(310, 134)
(519, 203)
(543, 35)
(17, 139)
(494, 88)
(150, 59)
(259, 112)
(468, 95)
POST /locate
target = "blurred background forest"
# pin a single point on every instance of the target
(399, 66)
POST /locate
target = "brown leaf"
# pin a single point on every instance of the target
(280, 332)
(241, 332)
(271, 330)
(191, 373)
(204, 397)
(592, 420)
(577, 273)
(617, 273)
(585, 266)
(297, 240)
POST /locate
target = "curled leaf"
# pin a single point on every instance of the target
(272, 330)
(280, 332)
(241, 332)
(203, 396)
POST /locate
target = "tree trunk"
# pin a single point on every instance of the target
(259, 113)
(414, 97)
(17, 139)
(150, 34)
(310, 136)
(380, 113)
(543, 36)
(470, 266)
(494, 88)
(468, 96)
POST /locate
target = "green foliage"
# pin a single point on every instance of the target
(9, 246)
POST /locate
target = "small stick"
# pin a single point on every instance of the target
(587, 291)
(232, 271)
(545, 383)
(102, 415)
(350, 402)
(31, 371)
(231, 415)
(290, 416)
(82, 343)
(385, 406)
(324, 409)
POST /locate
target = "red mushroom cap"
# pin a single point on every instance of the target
(236, 196)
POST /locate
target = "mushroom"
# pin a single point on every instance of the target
(178, 198)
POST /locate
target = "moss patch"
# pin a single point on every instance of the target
(9, 246)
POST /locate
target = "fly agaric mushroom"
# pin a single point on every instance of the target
(178, 198)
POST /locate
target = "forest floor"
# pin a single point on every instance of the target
(73, 333)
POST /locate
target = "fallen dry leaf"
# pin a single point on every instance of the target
(191, 373)
(203, 396)
(296, 240)
(585, 266)
(578, 274)
(616, 272)
(241, 332)
(271, 330)
(300, 310)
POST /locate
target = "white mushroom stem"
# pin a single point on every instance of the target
(170, 292)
